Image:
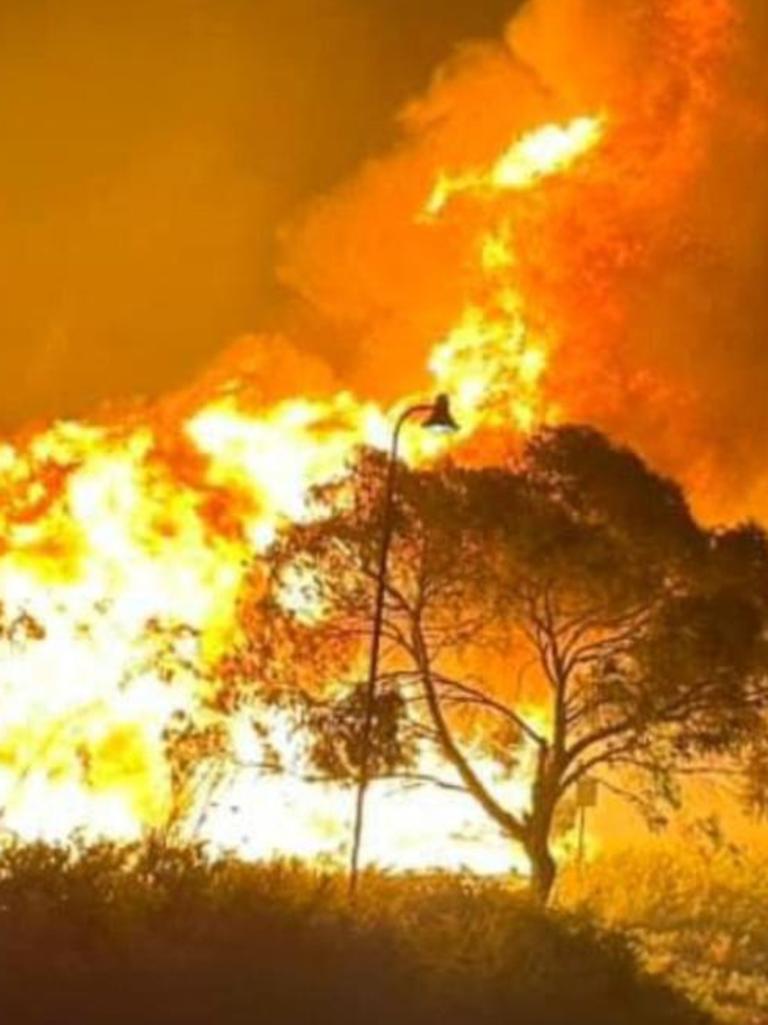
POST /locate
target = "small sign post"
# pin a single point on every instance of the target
(586, 797)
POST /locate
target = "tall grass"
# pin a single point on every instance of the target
(699, 916)
(150, 934)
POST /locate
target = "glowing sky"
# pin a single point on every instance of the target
(148, 151)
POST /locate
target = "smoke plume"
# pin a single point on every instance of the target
(645, 268)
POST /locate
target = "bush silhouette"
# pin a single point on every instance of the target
(110, 935)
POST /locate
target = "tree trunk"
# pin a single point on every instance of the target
(539, 826)
(543, 869)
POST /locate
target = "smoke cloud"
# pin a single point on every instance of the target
(151, 148)
(646, 269)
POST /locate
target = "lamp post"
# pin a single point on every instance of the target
(438, 418)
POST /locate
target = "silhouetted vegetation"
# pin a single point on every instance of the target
(697, 911)
(567, 608)
(157, 935)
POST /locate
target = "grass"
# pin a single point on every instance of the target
(698, 915)
(111, 935)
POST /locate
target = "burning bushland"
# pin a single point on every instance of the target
(567, 232)
(562, 620)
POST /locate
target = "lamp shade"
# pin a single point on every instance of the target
(441, 419)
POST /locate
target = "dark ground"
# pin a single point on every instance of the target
(156, 936)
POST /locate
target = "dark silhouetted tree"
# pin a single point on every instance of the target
(575, 582)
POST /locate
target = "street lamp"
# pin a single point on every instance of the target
(438, 418)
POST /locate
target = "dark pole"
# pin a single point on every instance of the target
(582, 835)
(387, 530)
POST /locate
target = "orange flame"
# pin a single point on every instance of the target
(106, 529)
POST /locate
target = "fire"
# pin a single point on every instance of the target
(493, 361)
(276, 458)
(113, 535)
(313, 822)
(547, 151)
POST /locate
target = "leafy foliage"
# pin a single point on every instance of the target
(336, 729)
(643, 633)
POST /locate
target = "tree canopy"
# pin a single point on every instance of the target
(568, 608)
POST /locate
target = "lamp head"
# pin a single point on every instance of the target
(440, 419)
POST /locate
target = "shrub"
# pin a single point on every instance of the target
(699, 915)
(160, 935)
